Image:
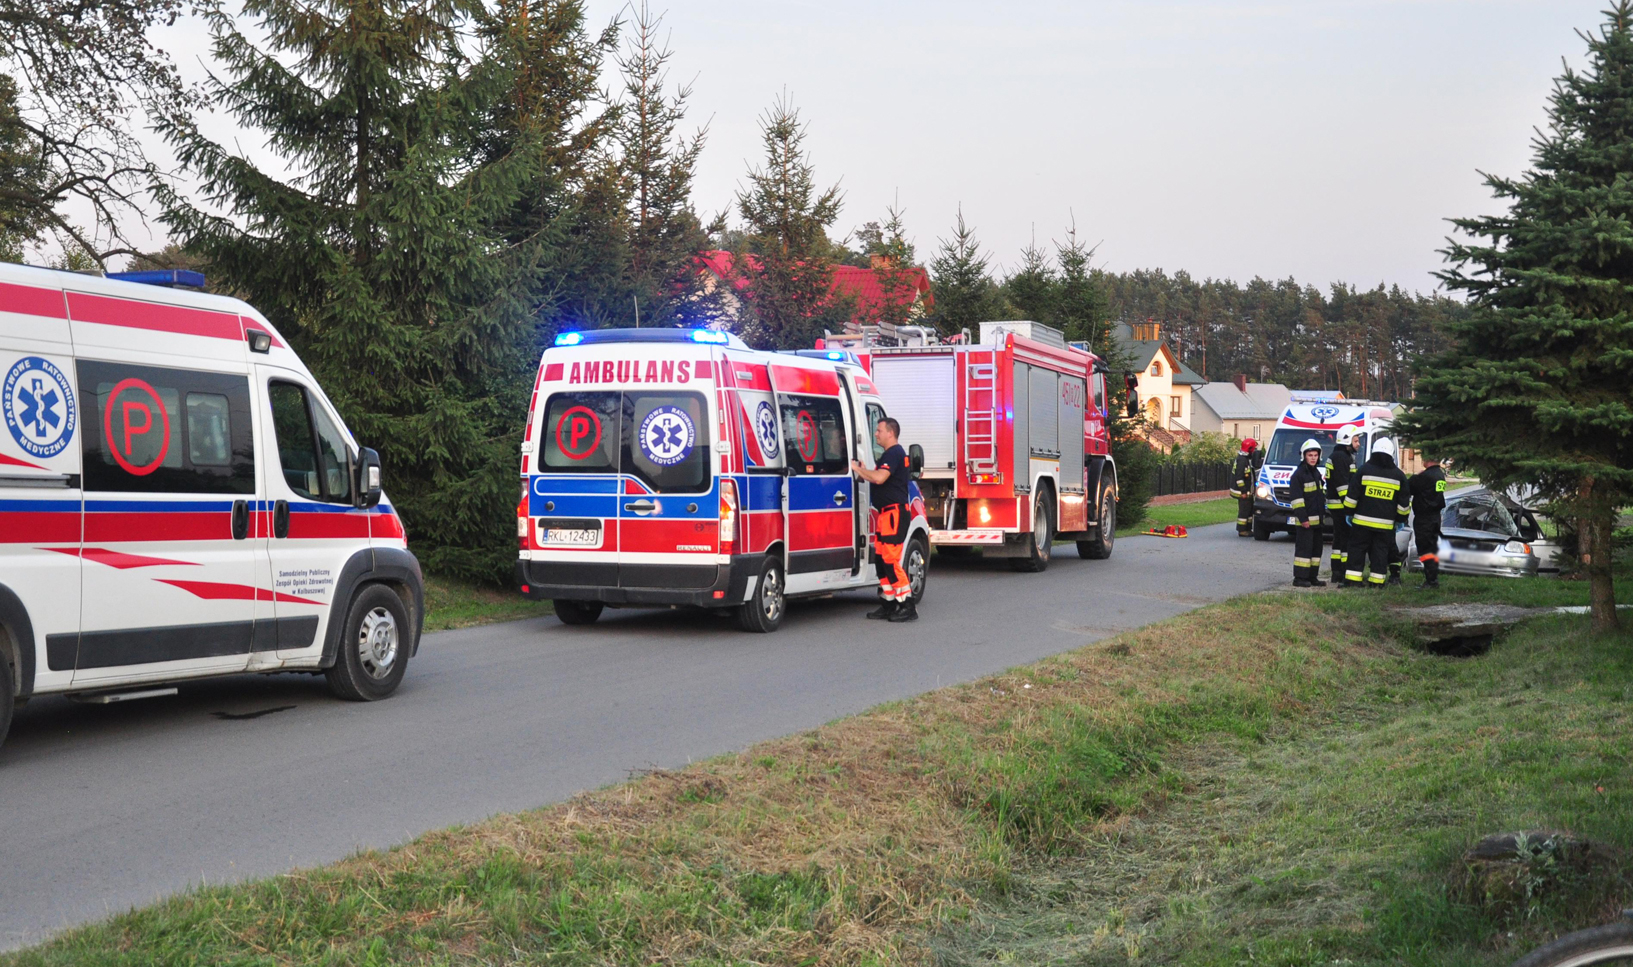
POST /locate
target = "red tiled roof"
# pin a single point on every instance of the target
(862, 284)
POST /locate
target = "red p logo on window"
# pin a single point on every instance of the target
(132, 446)
(578, 433)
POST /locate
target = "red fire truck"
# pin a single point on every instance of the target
(1014, 430)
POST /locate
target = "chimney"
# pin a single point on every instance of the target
(1240, 379)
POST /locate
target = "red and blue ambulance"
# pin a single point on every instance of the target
(178, 500)
(678, 467)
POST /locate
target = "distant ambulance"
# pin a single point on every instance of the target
(678, 467)
(179, 500)
(1321, 419)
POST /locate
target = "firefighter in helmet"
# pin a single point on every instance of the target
(890, 495)
(1428, 487)
(1340, 466)
(1378, 503)
(1242, 476)
(1306, 488)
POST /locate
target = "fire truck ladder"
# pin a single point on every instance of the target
(980, 418)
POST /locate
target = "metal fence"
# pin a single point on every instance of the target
(1189, 478)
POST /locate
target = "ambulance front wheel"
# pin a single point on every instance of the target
(578, 612)
(763, 612)
(374, 646)
(7, 688)
(916, 562)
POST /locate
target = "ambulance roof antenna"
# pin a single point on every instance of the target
(637, 300)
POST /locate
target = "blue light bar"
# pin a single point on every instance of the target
(835, 355)
(569, 338)
(170, 278)
(710, 336)
(591, 337)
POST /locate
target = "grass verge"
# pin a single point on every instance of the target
(457, 604)
(1279, 779)
(1199, 514)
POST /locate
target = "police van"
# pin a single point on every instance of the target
(678, 467)
(179, 500)
(1304, 419)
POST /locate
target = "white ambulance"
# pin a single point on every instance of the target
(670, 467)
(179, 500)
(1304, 419)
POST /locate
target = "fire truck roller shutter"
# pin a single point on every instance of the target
(919, 393)
(1023, 454)
(1071, 396)
(1043, 413)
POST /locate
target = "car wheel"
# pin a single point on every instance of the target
(375, 643)
(764, 612)
(578, 612)
(1042, 538)
(916, 562)
(1261, 531)
(1100, 548)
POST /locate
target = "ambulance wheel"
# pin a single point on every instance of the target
(917, 564)
(1261, 532)
(763, 613)
(1041, 542)
(374, 647)
(7, 698)
(578, 612)
(1100, 548)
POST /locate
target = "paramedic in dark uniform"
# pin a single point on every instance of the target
(889, 490)
(1428, 487)
(1306, 491)
(1340, 466)
(1242, 477)
(1377, 502)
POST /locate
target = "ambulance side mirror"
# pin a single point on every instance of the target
(915, 460)
(366, 479)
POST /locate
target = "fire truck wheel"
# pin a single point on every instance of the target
(374, 646)
(578, 612)
(1100, 548)
(7, 687)
(764, 611)
(917, 563)
(1042, 538)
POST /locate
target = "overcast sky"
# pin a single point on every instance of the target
(1322, 139)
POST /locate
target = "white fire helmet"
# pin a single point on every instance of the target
(1346, 433)
(1385, 445)
(1310, 444)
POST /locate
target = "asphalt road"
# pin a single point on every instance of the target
(106, 807)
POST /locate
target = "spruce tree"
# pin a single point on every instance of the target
(414, 241)
(1033, 288)
(1537, 387)
(966, 295)
(788, 300)
(891, 258)
(1080, 306)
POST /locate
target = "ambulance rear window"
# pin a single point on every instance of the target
(581, 432)
(815, 430)
(666, 441)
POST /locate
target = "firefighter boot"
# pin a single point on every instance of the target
(906, 611)
(884, 611)
(1394, 575)
(1431, 576)
(1301, 576)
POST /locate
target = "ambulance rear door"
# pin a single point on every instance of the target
(669, 495)
(573, 491)
(821, 498)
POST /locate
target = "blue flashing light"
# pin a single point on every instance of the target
(836, 355)
(569, 338)
(169, 278)
(710, 336)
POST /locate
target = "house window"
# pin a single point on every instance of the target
(1174, 409)
(1236, 430)
(1256, 433)
(1156, 369)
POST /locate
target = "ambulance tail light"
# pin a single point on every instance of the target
(523, 522)
(728, 515)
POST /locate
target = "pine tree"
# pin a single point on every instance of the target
(1536, 388)
(22, 178)
(1079, 304)
(966, 295)
(1033, 288)
(891, 258)
(414, 241)
(788, 300)
(657, 164)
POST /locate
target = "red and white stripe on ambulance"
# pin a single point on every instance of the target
(150, 524)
